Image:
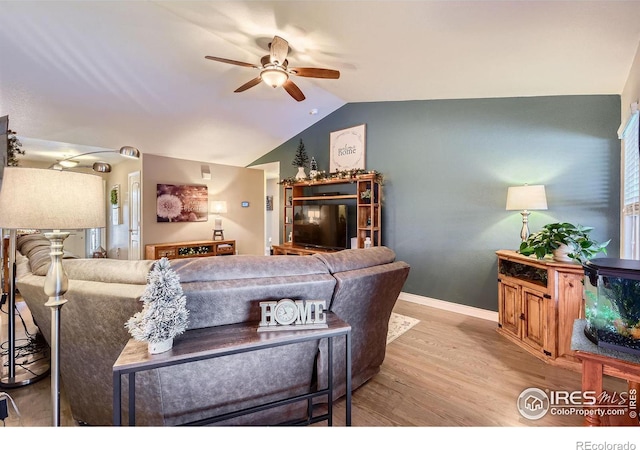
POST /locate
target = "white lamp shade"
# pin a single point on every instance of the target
(526, 197)
(51, 199)
(218, 207)
(274, 77)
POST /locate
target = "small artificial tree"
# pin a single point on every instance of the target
(313, 168)
(13, 149)
(301, 159)
(164, 314)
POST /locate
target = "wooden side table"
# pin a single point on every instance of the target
(596, 362)
(207, 343)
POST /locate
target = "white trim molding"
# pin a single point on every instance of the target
(449, 306)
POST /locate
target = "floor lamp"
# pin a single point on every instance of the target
(52, 200)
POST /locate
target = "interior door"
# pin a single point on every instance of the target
(134, 216)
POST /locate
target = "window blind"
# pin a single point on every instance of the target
(630, 236)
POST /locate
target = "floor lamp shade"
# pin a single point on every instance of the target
(51, 199)
(55, 200)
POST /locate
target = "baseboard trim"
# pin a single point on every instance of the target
(449, 306)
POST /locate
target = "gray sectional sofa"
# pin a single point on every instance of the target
(361, 286)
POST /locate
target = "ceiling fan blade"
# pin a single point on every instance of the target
(249, 84)
(315, 73)
(293, 90)
(231, 61)
(279, 48)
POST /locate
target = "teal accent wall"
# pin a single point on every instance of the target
(447, 165)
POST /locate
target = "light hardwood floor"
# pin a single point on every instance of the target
(448, 370)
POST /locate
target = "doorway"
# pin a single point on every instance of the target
(135, 252)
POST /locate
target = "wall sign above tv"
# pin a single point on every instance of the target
(347, 149)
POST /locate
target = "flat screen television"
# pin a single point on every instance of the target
(321, 226)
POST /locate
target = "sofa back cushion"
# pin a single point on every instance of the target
(355, 259)
(105, 270)
(238, 267)
(36, 248)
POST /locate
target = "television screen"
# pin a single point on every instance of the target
(321, 226)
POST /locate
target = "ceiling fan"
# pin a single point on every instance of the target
(275, 71)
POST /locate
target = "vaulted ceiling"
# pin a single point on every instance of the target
(81, 75)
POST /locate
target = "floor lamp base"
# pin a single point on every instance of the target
(28, 368)
(23, 378)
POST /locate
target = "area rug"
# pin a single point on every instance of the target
(398, 325)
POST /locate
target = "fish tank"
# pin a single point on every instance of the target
(612, 303)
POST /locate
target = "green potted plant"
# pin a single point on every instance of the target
(114, 197)
(565, 241)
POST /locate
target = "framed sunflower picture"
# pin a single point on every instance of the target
(182, 203)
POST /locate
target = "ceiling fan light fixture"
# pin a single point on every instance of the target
(67, 163)
(274, 76)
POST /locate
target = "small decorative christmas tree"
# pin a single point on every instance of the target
(164, 314)
(313, 167)
(301, 159)
(13, 149)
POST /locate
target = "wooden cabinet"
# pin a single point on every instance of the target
(538, 301)
(363, 192)
(190, 249)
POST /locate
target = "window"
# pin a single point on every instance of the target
(630, 233)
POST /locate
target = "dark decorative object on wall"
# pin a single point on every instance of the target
(269, 202)
(182, 203)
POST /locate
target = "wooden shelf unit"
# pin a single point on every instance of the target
(368, 212)
(190, 249)
(538, 301)
(290, 249)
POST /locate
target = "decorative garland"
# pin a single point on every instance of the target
(321, 175)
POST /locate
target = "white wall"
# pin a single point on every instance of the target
(631, 91)
(273, 217)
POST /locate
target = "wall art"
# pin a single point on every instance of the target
(182, 203)
(347, 149)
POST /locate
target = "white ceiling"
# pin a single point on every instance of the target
(104, 74)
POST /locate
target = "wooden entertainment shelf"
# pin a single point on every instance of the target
(290, 249)
(332, 190)
(190, 249)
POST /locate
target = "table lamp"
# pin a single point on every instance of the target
(526, 198)
(52, 200)
(218, 207)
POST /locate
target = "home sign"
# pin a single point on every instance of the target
(288, 314)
